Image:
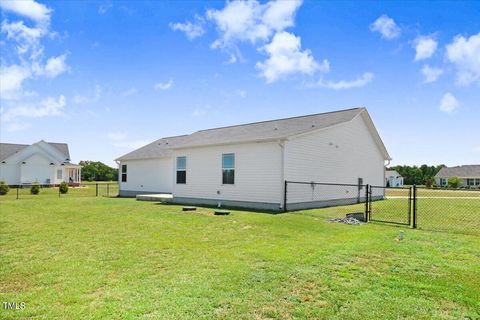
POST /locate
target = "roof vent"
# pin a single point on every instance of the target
(3, 162)
(276, 127)
(51, 163)
(313, 124)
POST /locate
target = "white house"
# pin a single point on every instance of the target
(247, 165)
(393, 179)
(42, 162)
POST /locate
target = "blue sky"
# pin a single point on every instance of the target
(107, 77)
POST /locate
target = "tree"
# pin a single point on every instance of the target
(454, 182)
(4, 188)
(63, 187)
(423, 175)
(98, 171)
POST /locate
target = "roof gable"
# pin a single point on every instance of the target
(9, 149)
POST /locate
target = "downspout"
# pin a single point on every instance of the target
(281, 143)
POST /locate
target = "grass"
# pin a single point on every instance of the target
(97, 258)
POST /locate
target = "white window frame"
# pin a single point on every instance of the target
(177, 170)
(234, 167)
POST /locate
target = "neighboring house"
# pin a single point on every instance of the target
(42, 162)
(469, 175)
(247, 165)
(393, 179)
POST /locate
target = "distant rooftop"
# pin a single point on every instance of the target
(465, 171)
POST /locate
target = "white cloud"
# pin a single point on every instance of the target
(425, 47)
(11, 80)
(164, 85)
(286, 58)
(130, 92)
(386, 26)
(449, 103)
(27, 8)
(251, 21)
(431, 74)
(464, 53)
(27, 39)
(56, 66)
(102, 9)
(191, 29)
(48, 107)
(347, 84)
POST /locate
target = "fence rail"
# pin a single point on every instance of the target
(454, 210)
(99, 189)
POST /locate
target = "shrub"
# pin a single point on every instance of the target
(454, 182)
(63, 187)
(4, 188)
(35, 189)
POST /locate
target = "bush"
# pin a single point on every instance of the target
(35, 189)
(4, 188)
(454, 182)
(63, 187)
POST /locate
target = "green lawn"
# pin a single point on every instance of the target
(97, 258)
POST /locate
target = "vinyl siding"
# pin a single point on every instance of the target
(340, 154)
(152, 175)
(257, 173)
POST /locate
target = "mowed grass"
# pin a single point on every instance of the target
(100, 258)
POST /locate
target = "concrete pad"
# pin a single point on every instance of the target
(162, 197)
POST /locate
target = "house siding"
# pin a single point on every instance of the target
(340, 154)
(257, 175)
(146, 176)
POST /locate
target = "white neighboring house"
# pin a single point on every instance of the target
(44, 162)
(393, 179)
(247, 165)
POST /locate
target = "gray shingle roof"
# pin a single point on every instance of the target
(258, 131)
(466, 171)
(8, 149)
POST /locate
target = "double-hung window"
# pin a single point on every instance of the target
(228, 168)
(181, 170)
(124, 173)
(59, 174)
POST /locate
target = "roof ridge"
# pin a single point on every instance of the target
(17, 144)
(288, 118)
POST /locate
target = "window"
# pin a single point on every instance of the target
(124, 173)
(181, 170)
(228, 168)
(443, 182)
(59, 174)
(470, 182)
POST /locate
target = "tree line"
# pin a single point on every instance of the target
(98, 171)
(423, 175)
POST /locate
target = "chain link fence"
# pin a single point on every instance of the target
(89, 189)
(451, 210)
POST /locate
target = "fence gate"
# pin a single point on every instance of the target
(390, 205)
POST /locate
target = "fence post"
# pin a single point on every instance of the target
(108, 192)
(366, 202)
(285, 197)
(59, 191)
(17, 191)
(414, 225)
(96, 189)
